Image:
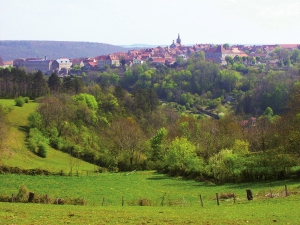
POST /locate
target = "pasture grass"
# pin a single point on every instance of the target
(17, 154)
(181, 200)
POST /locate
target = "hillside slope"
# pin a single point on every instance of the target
(17, 153)
(10, 50)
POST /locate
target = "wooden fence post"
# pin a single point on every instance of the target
(217, 196)
(271, 195)
(286, 190)
(201, 200)
(12, 198)
(31, 197)
(122, 200)
(249, 194)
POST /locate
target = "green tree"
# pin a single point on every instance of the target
(54, 83)
(39, 85)
(88, 99)
(226, 46)
(228, 79)
(125, 142)
(295, 57)
(229, 60)
(181, 156)
(158, 144)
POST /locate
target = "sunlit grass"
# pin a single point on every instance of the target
(181, 202)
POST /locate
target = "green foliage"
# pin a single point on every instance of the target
(224, 166)
(20, 101)
(158, 145)
(88, 99)
(240, 147)
(35, 120)
(38, 143)
(181, 156)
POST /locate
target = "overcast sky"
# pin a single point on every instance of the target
(155, 22)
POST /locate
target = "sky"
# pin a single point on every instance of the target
(153, 22)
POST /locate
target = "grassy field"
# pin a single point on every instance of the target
(17, 153)
(181, 204)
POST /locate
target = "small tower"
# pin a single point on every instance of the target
(178, 41)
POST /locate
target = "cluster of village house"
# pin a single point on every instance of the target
(156, 56)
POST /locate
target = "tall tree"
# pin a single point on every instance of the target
(39, 85)
(54, 83)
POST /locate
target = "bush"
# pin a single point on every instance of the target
(42, 149)
(26, 99)
(38, 143)
(23, 194)
(20, 101)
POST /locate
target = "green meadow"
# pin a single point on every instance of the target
(169, 200)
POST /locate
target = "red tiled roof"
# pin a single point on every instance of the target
(291, 46)
(158, 60)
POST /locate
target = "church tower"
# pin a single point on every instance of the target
(178, 41)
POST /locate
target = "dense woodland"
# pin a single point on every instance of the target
(148, 118)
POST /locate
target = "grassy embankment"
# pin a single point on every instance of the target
(181, 204)
(17, 153)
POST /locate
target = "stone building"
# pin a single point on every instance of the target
(34, 64)
(62, 66)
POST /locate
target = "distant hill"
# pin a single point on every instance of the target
(139, 46)
(10, 50)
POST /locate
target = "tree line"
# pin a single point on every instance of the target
(120, 124)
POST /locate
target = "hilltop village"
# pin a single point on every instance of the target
(221, 54)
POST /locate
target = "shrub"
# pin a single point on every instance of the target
(38, 143)
(42, 149)
(23, 194)
(20, 101)
(26, 99)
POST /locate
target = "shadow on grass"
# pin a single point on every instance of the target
(160, 177)
(265, 184)
(24, 129)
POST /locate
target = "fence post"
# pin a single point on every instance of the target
(31, 197)
(249, 194)
(271, 195)
(286, 190)
(12, 198)
(122, 200)
(217, 196)
(201, 200)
